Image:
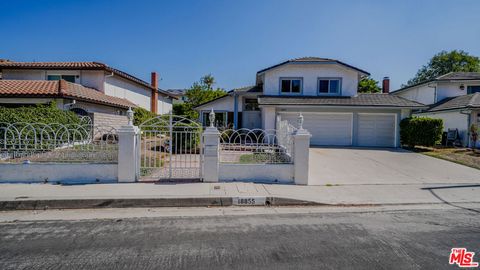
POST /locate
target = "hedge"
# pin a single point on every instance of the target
(422, 131)
(141, 115)
(42, 113)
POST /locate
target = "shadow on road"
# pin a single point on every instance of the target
(432, 191)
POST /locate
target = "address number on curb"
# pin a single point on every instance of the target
(249, 200)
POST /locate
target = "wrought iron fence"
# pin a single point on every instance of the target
(254, 146)
(38, 142)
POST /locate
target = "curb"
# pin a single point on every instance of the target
(140, 203)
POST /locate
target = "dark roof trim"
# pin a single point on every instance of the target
(326, 61)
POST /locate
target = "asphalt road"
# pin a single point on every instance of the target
(413, 239)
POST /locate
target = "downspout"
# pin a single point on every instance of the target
(235, 110)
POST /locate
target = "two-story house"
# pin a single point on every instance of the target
(325, 91)
(87, 88)
(453, 97)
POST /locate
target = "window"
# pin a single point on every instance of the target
(251, 104)
(471, 89)
(68, 78)
(329, 86)
(220, 119)
(291, 86)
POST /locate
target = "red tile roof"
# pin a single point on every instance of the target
(62, 88)
(77, 66)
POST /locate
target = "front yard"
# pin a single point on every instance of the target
(458, 155)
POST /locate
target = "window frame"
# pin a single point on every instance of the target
(473, 85)
(61, 77)
(290, 79)
(339, 79)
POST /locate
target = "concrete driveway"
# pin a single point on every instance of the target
(384, 166)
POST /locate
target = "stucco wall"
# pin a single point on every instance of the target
(9, 74)
(256, 172)
(164, 105)
(310, 74)
(222, 104)
(93, 79)
(422, 94)
(118, 87)
(452, 120)
(450, 89)
(58, 172)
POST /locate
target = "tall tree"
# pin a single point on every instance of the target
(445, 62)
(368, 85)
(200, 92)
(208, 80)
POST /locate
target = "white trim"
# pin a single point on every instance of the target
(290, 112)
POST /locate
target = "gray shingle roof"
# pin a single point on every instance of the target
(460, 102)
(311, 59)
(247, 89)
(369, 100)
(452, 76)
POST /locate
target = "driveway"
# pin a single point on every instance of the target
(384, 166)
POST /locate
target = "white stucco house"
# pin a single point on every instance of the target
(325, 91)
(453, 97)
(83, 87)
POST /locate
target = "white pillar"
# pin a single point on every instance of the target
(211, 143)
(301, 145)
(128, 155)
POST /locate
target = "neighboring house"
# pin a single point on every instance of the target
(179, 94)
(453, 97)
(105, 80)
(325, 92)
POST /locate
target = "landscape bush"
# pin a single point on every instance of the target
(421, 131)
(42, 113)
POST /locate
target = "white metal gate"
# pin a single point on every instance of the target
(170, 149)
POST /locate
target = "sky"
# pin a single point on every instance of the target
(184, 40)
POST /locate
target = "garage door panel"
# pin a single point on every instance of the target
(376, 130)
(326, 129)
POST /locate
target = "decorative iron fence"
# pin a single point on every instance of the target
(38, 142)
(256, 146)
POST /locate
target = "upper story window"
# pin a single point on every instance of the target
(290, 85)
(68, 78)
(471, 89)
(329, 86)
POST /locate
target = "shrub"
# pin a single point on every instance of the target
(42, 113)
(141, 115)
(421, 131)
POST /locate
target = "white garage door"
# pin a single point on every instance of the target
(326, 129)
(376, 130)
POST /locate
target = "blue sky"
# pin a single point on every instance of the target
(184, 40)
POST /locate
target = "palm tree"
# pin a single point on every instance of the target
(208, 80)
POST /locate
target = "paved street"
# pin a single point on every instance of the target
(256, 238)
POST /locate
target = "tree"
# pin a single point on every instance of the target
(208, 81)
(199, 93)
(368, 85)
(445, 62)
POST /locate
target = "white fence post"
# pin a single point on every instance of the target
(127, 151)
(301, 145)
(211, 143)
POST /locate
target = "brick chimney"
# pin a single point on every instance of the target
(386, 85)
(154, 98)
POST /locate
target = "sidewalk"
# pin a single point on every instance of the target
(41, 196)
